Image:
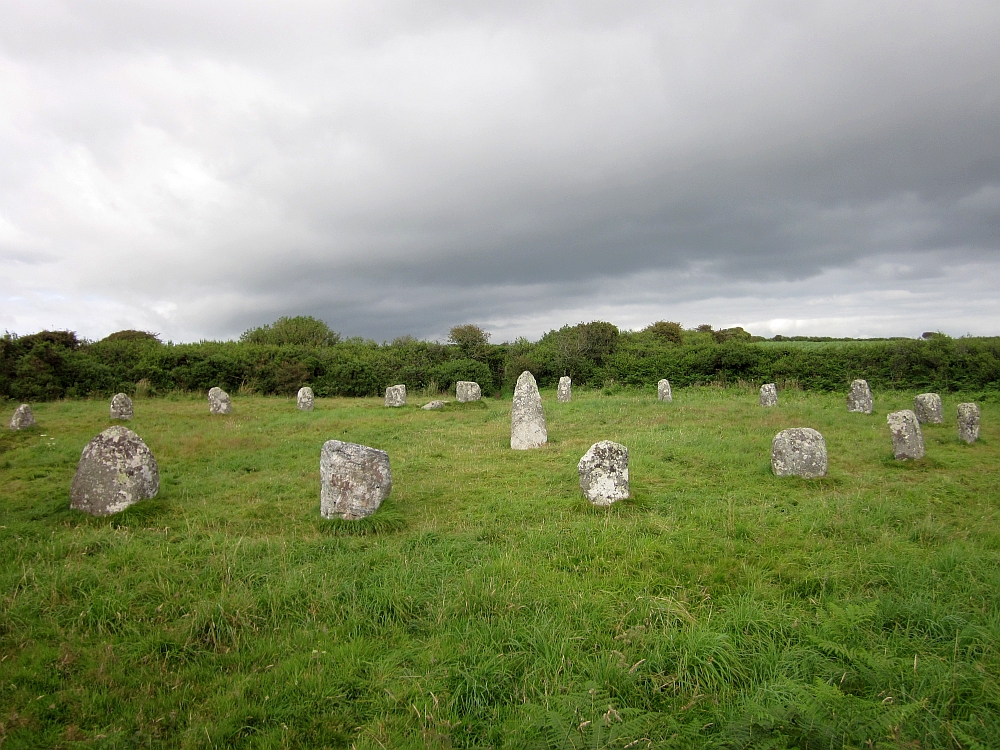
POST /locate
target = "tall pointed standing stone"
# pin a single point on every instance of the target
(564, 393)
(968, 422)
(907, 439)
(304, 399)
(527, 420)
(121, 407)
(23, 417)
(859, 398)
(769, 395)
(927, 407)
(663, 392)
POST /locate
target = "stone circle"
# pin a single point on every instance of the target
(354, 480)
(968, 422)
(928, 408)
(799, 452)
(116, 470)
(23, 418)
(219, 401)
(604, 473)
(527, 419)
(907, 439)
(395, 395)
(564, 391)
(304, 399)
(121, 407)
(433, 405)
(769, 395)
(859, 397)
(466, 391)
(663, 392)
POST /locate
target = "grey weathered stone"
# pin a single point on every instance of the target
(116, 470)
(527, 420)
(219, 402)
(395, 395)
(434, 405)
(466, 391)
(769, 395)
(859, 397)
(928, 408)
(907, 439)
(305, 399)
(663, 392)
(121, 407)
(23, 417)
(354, 480)
(968, 422)
(564, 392)
(604, 473)
(798, 452)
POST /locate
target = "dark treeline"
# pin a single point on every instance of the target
(281, 357)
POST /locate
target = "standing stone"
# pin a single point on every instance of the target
(968, 422)
(907, 440)
(769, 395)
(564, 393)
(663, 392)
(431, 406)
(798, 452)
(23, 417)
(121, 407)
(116, 470)
(218, 401)
(395, 395)
(604, 473)
(859, 398)
(305, 399)
(527, 420)
(354, 480)
(927, 407)
(466, 390)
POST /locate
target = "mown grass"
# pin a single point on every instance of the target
(486, 604)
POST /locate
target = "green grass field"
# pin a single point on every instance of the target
(486, 604)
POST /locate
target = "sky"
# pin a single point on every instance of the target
(195, 168)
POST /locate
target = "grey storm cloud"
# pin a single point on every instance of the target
(199, 167)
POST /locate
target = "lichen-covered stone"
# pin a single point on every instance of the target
(431, 406)
(116, 470)
(304, 399)
(354, 480)
(663, 392)
(23, 418)
(798, 452)
(121, 407)
(928, 408)
(466, 391)
(564, 392)
(968, 422)
(907, 439)
(859, 397)
(604, 473)
(527, 420)
(769, 395)
(219, 402)
(395, 395)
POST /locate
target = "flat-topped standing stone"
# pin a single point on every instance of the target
(121, 407)
(305, 399)
(859, 398)
(663, 392)
(354, 480)
(564, 392)
(798, 452)
(968, 422)
(466, 391)
(433, 405)
(23, 417)
(527, 420)
(928, 408)
(395, 395)
(907, 439)
(604, 473)
(769, 395)
(219, 402)
(116, 470)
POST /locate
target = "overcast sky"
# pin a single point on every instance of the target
(198, 167)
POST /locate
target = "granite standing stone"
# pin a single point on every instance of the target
(907, 439)
(305, 399)
(859, 397)
(663, 392)
(604, 473)
(968, 422)
(433, 405)
(395, 395)
(564, 392)
(354, 480)
(928, 408)
(219, 402)
(121, 407)
(23, 417)
(769, 395)
(466, 391)
(798, 452)
(527, 420)
(116, 470)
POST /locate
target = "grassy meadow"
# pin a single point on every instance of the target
(487, 604)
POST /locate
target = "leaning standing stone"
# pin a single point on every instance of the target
(527, 420)
(466, 390)
(798, 452)
(305, 399)
(564, 393)
(927, 407)
(859, 398)
(968, 422)
(907, 440)
(354, 480)
(218, 401)
(23, 417)
(604, 473)
(121, 407)
(663, 392)
(769, 395)
(116, 470)
(395, 395)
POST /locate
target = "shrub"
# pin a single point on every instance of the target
(304, 330)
